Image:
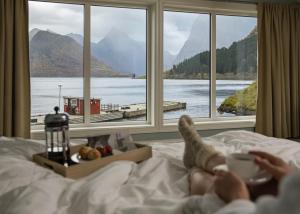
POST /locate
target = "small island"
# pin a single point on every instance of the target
(243, 102)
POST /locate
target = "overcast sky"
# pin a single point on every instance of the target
(68, 18)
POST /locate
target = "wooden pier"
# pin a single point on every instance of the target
(124, 112)
(139, 110)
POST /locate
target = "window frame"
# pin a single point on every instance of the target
(236, 11)
(154, 82)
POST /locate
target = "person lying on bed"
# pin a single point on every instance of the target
(225, 192)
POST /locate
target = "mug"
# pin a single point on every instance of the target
(243, 165)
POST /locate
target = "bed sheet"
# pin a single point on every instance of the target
(158, 185)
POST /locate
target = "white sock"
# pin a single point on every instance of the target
(196, 152)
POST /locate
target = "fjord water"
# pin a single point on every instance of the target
(125, 91)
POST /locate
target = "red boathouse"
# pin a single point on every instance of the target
(75, 105)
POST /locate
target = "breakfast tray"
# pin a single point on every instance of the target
(142, 152)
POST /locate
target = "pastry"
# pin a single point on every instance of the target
(93, 154)
(83, 152)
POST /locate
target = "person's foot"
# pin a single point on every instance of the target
(187, 131)
(196, 152)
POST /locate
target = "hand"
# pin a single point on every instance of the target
(272, 164)
(230, 187)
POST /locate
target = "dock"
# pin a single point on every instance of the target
(139, 110)
(123, 112)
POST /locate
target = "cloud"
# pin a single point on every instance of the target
(68, 18)
(60, 18)
(130, 21)
(233, 28)
(177, 27)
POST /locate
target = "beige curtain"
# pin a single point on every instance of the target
(278, 70)
(14, 69)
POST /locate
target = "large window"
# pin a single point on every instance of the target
(56, 58)
(103, 64)
(186, 64)
(187, 70)
(118, 64)
(236, 69)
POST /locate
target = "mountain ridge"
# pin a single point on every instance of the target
(98, 53)
(238, 61)
(55, 55)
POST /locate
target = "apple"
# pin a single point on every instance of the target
(105, 150)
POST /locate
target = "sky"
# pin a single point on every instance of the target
(68, 18)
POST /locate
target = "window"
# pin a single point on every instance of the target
(118, 64)
(187, 40)
(56, 59)
(186, 64)
(102, 64)
(236, 65)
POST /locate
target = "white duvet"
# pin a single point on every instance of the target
(158, 185)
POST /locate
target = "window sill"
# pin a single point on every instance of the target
(220, 123)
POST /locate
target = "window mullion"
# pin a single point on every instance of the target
(213, 93)
(157, 44)
(87, 63)
(150, 65)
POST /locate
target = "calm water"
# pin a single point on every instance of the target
(123, 91)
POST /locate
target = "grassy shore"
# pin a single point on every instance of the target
(243, 102)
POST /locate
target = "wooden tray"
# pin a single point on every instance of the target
(76, 171)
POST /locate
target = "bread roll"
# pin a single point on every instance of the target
(83, 152)
(93, 154)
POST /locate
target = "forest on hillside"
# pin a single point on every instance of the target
(239, 61)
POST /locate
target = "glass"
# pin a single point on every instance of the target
(118, 64)
(56, 59)
(236, 65)
(186, 65)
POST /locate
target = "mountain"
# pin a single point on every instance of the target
(197, 41)
(199, 37)
(107, 51)
(239, 61)
(121, 52)
(55, 55)
(77, 37)
(168, 60)
(33, 32)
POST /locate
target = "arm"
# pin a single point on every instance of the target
(238, 207)
(233, 190)
(277, 167)
(286, 202)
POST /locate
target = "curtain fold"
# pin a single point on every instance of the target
(14, 69)
(278, 108)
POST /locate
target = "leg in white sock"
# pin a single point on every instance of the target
(196, 153)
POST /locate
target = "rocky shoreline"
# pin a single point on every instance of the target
(243, 102)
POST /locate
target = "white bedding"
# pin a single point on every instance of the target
(158, 185)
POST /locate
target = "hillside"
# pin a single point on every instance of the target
(54, 55)
(113, 50)
(121, 52)
(198, 39)
(243, 102)
(239, 61)
(197, 42)
(77, 37)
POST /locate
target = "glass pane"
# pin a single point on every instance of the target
(56, 59)
(186, 64)
(118, 64)
(236, 65)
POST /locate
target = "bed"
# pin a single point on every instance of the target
(158, 185)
